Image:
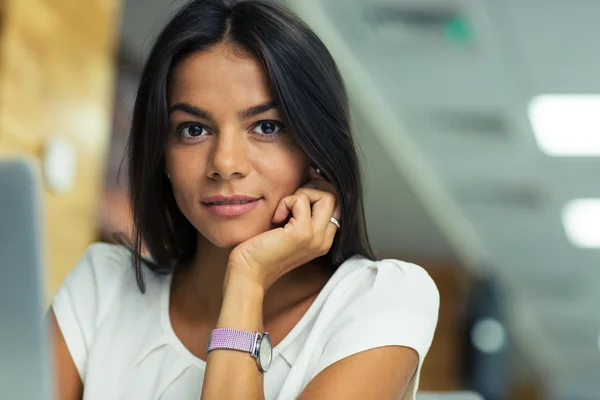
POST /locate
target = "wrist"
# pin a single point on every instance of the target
(243, 284)
(239, 270)
(242, 305)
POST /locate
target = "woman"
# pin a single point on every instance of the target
(246, 194)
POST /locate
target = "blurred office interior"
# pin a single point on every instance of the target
(479, 126)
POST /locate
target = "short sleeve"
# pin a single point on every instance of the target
(389, 303)
(81, 301)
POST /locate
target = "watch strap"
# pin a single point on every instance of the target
(234, 339)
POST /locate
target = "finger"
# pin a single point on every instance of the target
(282, 212)
(300, 223)
(337, 211)
(322, 234)
(329, 236)
(284, 208)
(318, 183)
(337, 214)
(315, 195)
(323, 207)
(298, 205)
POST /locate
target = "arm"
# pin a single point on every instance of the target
(380, 373)
(381, 337)
(383, 373)
(231, 374)
(68, 385)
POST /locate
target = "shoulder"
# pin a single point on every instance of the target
(399, 298)
(103, 274)
(414, 280)
(107, 257)
(378, 303)
(389, 279)
(100, 290)
(100, 264)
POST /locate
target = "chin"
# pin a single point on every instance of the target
(228, 239)
(228, 243)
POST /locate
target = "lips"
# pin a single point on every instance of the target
(220, 203)
(235, 199)
(230, 206)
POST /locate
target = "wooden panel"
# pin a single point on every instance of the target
(56, 81)
(442, 369)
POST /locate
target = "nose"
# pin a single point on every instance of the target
(229, 157)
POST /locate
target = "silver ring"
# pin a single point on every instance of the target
(335, 222)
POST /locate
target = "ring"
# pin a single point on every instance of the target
(335, 222)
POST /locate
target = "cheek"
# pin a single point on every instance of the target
(185, 172)
(284, 172)
(185, 163)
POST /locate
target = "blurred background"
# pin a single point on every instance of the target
(479, 126)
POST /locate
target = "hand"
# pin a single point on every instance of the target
(308, 234)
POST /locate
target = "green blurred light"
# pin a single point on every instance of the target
(459, 31)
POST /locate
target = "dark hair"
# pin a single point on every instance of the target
(309, 93)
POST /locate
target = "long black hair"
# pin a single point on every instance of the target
(310, 95)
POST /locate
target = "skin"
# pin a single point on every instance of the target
(228, 156)
(256, 271)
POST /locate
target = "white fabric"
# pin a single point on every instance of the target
(124, 346)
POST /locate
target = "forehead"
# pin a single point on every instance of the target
(220, 73)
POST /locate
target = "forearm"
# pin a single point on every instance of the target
(232, 374)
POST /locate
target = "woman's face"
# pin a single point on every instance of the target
(227, 139)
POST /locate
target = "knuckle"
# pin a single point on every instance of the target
(304, 196)
(322, 246)
(325, 247)
(286, 199)
(330, 198)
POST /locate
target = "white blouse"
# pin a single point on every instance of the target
(124, 347)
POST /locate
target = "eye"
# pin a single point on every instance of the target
(268, 127)
(191, 130)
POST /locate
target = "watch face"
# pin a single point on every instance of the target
(265, 352)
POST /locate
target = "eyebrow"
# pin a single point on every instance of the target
(242, 115)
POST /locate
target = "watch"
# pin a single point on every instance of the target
(258, 344)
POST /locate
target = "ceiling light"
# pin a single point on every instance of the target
(566, 125)
(581, 219)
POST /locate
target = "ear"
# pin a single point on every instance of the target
(314, 169)
(306, 177)
(310, 171)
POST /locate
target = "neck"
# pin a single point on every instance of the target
(198, 286)
(197, 290)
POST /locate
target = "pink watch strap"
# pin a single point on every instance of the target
(235, 339)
